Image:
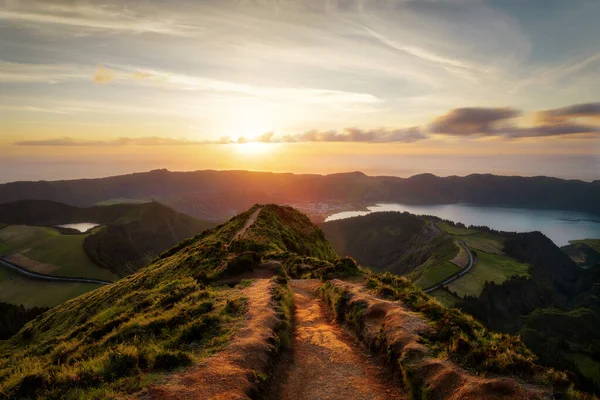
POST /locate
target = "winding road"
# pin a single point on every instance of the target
(457, 275)
(51, 278)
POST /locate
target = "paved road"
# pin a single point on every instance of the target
(455, 276)
(51, 278)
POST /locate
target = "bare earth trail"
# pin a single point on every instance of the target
(251, 220)
(325, 363)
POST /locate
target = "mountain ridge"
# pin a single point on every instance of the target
(219, 194)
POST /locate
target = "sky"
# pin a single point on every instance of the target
(388, 87)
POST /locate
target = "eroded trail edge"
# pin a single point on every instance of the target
(324, 362)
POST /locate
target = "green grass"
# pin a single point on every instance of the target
(163, 328)
(593, 243)
(112, 341)
(121, 200)
(17, 289)
(435, 274)
(457, 336)
(485, 241)
(454, 230)
(48, 246)
(588, 367)
(445, 297)
(489, 267)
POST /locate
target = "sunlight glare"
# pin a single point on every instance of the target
(253, 148)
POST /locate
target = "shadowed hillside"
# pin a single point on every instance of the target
(129, 235)
(389, 241)
(216, 195)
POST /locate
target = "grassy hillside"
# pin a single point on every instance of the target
(492, 264)
(20, 290)
(125, 247)
(401, 243)
(118, 338)
(130, 235)
(585, 253)
(176, 312)
(47, 251)
(489, 268)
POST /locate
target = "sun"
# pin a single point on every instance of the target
(253, 148)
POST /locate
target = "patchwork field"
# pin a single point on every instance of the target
(593, 243)
(589, 367)
(490, 268)
(20, 290)
(445, 297)
(46, 250)
(432, 275)
(485, 241)
(454, 230)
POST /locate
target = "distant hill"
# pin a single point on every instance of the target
(176, 320)
(389, 241)
(217, 195)
(585, 253)
(130, 234)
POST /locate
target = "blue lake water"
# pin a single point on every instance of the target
(560, 226)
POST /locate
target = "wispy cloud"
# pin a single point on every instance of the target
(122, 141)
(88, 17)
(12, 72)
(349, 135)
(128, 75)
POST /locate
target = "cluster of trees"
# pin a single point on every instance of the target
(556, 311)
(13, 318)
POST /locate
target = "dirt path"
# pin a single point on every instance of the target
(247, 225)
(325, 363)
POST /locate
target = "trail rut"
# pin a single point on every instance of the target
(251, 220)
(324, 362)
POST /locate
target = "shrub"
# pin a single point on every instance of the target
(197, 331)
(171, 359)
(121, 362)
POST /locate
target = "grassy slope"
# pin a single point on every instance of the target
(49, 246)
(160, 317)
(593, 243)
(492, 265)
(431, 275)
(17, 289)
(114, 339)
(454, 230)
(444, 297)
(587, 365)
(401, 243)
(490, 268)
